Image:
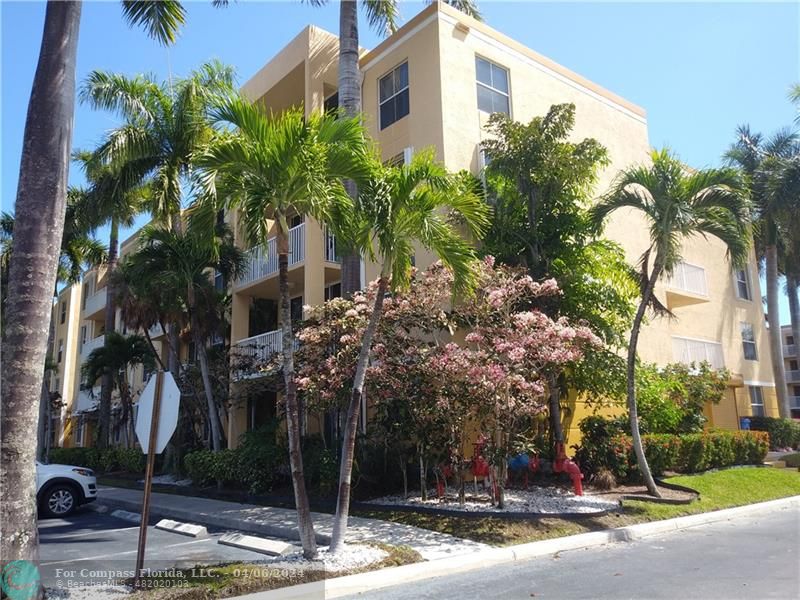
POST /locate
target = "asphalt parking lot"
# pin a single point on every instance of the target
(87, 544)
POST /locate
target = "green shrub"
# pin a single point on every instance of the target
(199, 467)
(130, 460)
(783, 433)
(605, 446)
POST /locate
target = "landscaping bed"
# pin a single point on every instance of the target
(718, 489)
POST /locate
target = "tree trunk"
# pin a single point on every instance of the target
(351, 425)
(39, 211)
(43, 439)
(350, 103)
(792, 285)
(107, 380)
(775, 337)
(633, 412)
(304, 522)
(213, 414)
(555, 410)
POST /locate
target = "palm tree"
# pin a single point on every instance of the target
(118, 356)
(383, 16)
(117, 195)
(165, 126)
(39, 210)
(419, 203)
(676, 204)
(271, 169)
(759, 160)
(178, 263)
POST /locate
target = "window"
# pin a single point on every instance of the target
(743, 284)
(63, 312)
(790, 340)
(79, 431)
(393, 95)
(793, 365)
(219, 281)
(60, 350)
(748, 342)
(331, 104)
(333, 291)
(296, 309)
(83, 336)
(756, 401)
(492, 80)
(295, 221)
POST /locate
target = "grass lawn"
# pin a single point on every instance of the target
(719, 489)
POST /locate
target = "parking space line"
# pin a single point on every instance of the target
(61, 562)
(99, 531)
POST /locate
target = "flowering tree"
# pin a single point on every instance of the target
(510, 352)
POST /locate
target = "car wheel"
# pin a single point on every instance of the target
(59, 501)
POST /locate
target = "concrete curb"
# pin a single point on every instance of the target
(187, 529)
(219, 521)
(363, 582)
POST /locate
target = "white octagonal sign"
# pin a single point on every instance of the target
(168, 413)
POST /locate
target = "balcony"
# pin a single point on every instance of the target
(330, 247)
(262, 261)
(792, 376)
(95, 305)
(156, 331)
(87, 401)
(688, 350)
(255, 352)
(89, 345)
(794, 402)
(687, 286)
(789, 350)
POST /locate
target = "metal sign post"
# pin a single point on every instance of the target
(148, 477)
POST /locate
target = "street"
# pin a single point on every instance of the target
(86, 544)
(750, 557)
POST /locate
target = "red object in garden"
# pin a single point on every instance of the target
(563, 464)
(439, 489)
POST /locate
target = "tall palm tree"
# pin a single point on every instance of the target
(118, 356)
(271, 169)
(383, 16)
(759, 159)
(416, 203)
(676, 204)
(39, 210)
(179, 263)
(117, 196)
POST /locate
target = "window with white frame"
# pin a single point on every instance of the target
(63, 312)
(493, 91)
(393, 95)
(756, 400)
(79, 431)
(748, 341)
(743, 284)
(60, 351)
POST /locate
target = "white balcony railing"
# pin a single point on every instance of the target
(156, 331)
(330, 247)
(95, 302)
(87, 400)
(792, 376)
(689, 278)
(794, 401)
(89, 345)
(261, 347)
(687, 350)
(789, 350)
(263, 260)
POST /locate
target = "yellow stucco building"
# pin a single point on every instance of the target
(433, 84)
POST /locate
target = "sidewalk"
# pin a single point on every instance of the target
(282, 522)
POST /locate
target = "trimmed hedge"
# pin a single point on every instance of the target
(783, 433)
(685, 453)
(130, 460)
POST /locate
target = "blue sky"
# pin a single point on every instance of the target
(699, 69)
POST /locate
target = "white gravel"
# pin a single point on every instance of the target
(352, 556)
(169, 479)
(543, 500)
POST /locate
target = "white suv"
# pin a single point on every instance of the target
(60, 489)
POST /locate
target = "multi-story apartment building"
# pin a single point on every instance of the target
(791, 366)
(79, 317)
(433, 84)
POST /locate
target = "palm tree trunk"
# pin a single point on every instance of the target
(792, 285)
(351, 426)
(43, 437)
(633, 412)
(107, 381)
(304, 523)
(775, 338)
(555, 409)
(39, 211)
(213, 414)
(350, 103)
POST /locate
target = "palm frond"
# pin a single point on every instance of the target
(161, 19)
